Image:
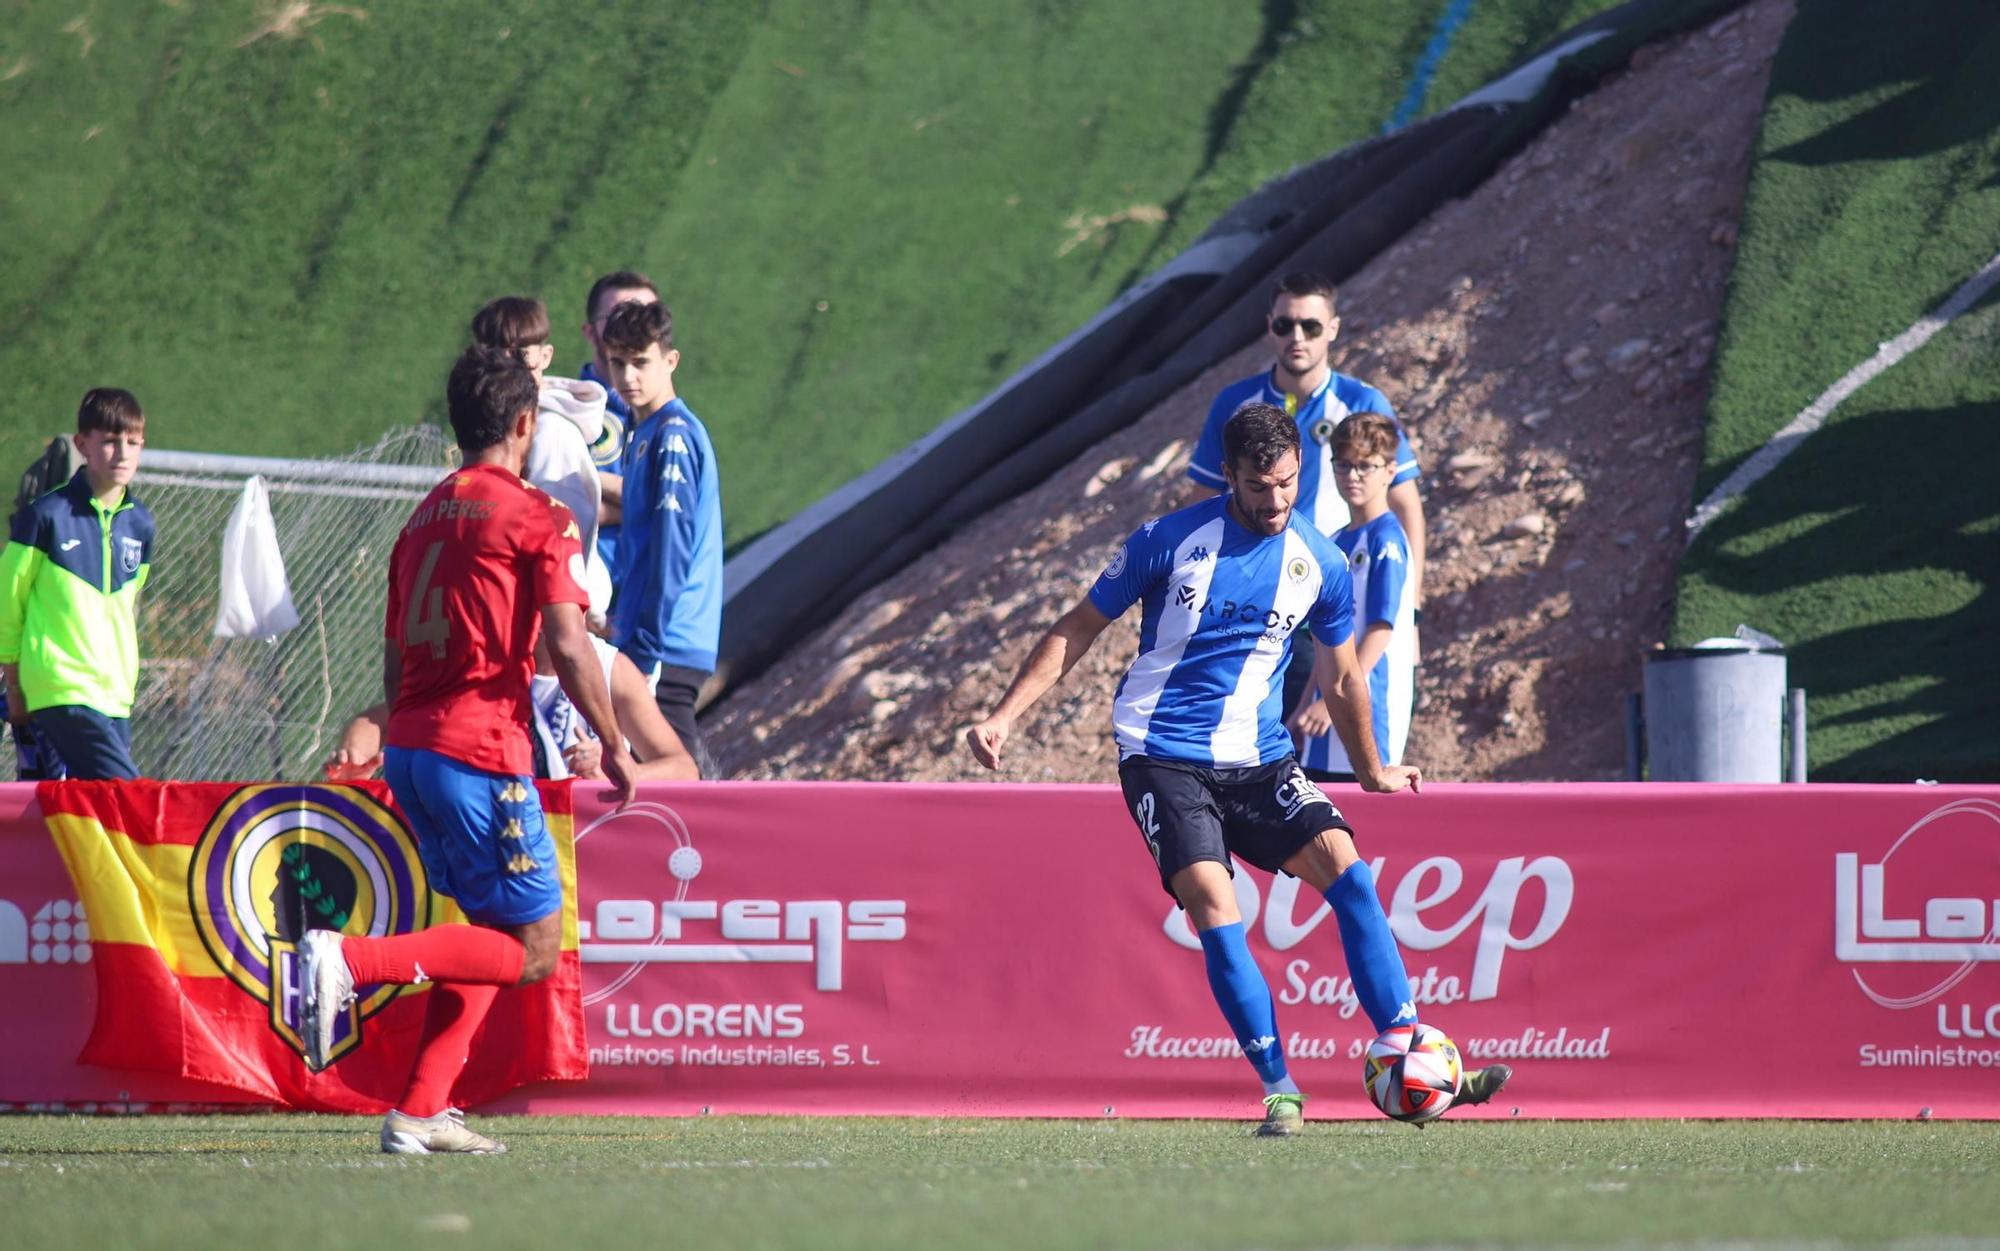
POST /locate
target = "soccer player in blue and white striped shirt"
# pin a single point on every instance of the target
(1204, 759)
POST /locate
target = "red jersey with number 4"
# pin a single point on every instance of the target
(467, 581)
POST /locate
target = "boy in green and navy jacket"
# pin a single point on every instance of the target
(69, 595)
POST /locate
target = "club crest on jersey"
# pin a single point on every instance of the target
(1117, 566)
(129, 552)
(277, 861)
(1298, 569)
(1322, 431)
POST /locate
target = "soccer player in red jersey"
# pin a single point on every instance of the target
(483, 564)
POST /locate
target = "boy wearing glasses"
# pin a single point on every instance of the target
(1364, 450)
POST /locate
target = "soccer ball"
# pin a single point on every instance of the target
(1412, 1072)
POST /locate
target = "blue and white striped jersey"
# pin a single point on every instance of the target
(1220, 605)
(1336, 398)
(1378, 553)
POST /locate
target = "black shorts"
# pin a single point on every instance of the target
(1189, 813)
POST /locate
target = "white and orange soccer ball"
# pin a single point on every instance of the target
(1412, 1072)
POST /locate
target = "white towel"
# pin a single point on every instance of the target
(255, 600)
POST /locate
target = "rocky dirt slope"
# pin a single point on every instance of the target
(1547, 342)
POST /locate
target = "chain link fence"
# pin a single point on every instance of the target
(215, 709)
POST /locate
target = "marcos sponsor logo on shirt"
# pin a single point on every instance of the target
(1228, 611)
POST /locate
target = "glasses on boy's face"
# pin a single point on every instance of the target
(1282, 327)
(1358, 468)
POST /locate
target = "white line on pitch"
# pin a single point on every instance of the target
(1814, 415)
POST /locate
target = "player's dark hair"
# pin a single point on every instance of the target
(633, 327)
(488, 388)
(620, 280)
(112, 410)
(1258, 437)
(1366, 435)
(1304, 282)
(511, 323)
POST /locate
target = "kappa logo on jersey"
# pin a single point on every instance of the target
(635, 932)
(676, 445)
(1116, 568)
(571, 532)
(1392, 551)
(276, 861)
(1198, 555)
(673, 473)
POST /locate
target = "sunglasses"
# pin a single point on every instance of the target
(1282, 326)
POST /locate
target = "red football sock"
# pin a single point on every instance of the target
(452, 1019)
(443, 953)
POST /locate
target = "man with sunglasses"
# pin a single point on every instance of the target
(1302, 326)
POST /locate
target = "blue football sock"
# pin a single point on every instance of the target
(1373, 963)
(1245, 1000)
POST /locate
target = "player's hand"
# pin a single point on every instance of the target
(17, 702)
(986, 739)
(1394, 778)
(1311, 721)
(585, 757)
(346, 766)
(358, 755)
(622, 774)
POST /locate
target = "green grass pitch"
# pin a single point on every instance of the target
(75, 1183)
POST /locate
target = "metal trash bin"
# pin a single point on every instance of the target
(1716, 712)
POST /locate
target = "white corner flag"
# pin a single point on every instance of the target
(255, 599)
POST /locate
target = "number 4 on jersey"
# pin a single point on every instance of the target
(425, 622)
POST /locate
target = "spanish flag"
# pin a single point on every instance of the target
(197, 895)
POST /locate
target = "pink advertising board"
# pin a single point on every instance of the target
(1822, 951)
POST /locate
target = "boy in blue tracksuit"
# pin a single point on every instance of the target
(667, 616)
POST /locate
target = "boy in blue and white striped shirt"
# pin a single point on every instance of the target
(1378, 558)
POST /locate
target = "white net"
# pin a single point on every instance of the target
(247, 709)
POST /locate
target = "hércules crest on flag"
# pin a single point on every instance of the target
(198, 894)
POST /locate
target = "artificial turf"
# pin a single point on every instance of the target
(274, 221)
(1870, 552)
(79, 1183)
